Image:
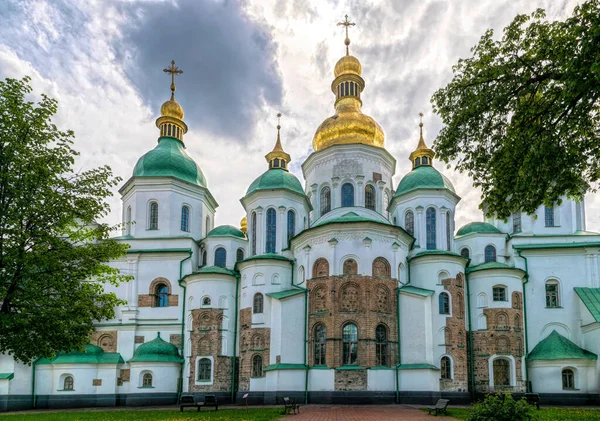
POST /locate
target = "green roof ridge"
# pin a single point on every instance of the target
(416, 290)
(279, 295)
(226, 231)
(591, 299)
(157, 350)
(285, 366)
(7, 376)
(478, 227)
(557, 347)
(423, 177)
(215, 270)
(490, 266)
(349, 217)
(417, 366)
(276, 179)
(91, 354)
(437, 253)
(266, 256)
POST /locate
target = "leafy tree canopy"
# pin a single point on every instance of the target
(53, 254)
(521, 116)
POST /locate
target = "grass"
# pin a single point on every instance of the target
(544, 414)
(263, 414)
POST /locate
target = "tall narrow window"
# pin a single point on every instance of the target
(204, 369)
(253, 231)
(161, 296)
(430, 228)
(147, 380)
(465, 252)
(417, 162)
(204, 258)
(68, 383)
(325, 200)
(549, 216)
(424, 161)
(185, 218)
(347, 195)
(568, 379)
(153, 222)
(271, 230)
(501, 372)
(446, 368)
(552, 298)
(239, 255)
(381, 346)
(350, 344)
(490, 254)
(221, 257)
(448, 231)
(207, 225)
(444, 303)
(291, 225)
(320, 345)
(370, 197)
(257, 366)
(409, 222)
(257, 307)
(128, 221)
(516, 220)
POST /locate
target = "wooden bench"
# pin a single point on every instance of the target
(209, 400)
(440, 407)
(290, 404)
(186, 401)
(533, 399)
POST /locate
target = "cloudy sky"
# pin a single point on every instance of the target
(243, 62)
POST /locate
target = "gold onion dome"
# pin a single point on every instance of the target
(244, 225)
(349, 125)
(170, 122)
(171, 108)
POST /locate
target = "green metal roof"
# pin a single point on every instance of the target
(169, 159)
(218, 270)
(266, 256)
(478, 227)
(226, 231)
(92, 354)
(591, 299)
(423, 177)
(7, 376)
(285, 366)
(490, 266)
(555, 246)
(276, 179)
(416, 290)
(557, 347)
(437, 253)
(284, 294)
(350, 217)
(417, 366)
(156, 350)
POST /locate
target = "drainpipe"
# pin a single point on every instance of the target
(180, 386)
(471, 356)
(305, 334)
(527, 388)
(33, 382)
(235, 333)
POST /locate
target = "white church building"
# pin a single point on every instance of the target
(348, 288)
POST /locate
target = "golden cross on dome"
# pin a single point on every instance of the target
(346, 23)
(174, 71)
(421, 118)
(278, 121)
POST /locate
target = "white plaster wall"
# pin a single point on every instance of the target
(476, 244)
(258, 384)
(231, 245)
(292, 380)
(164, 377)
(415, 333)
(546, 376)
(420, 379)
(83, 374)
(321, 380)
(292, 322)
(378, 380)
(44, 380)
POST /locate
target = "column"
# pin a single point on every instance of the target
(260, 231)
(332, 256)
(379, 203)
(316, 201)
(367, 265)
(442, 231)
(359, 194)
(282, 228)
(420, 228)
(336, 201)
(307, 268)
(395, 274)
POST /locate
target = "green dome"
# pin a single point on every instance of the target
(156, 350)
(423, 177)
(226, 231)
(480, 227)
(169, 159)
(276, 179)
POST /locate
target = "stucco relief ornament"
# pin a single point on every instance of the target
(347, 168)
(351, 236)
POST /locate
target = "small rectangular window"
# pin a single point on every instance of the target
(499, 294)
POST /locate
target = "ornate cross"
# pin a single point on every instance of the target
(346, 23)
(174, 71)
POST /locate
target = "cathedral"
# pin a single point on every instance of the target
(347, 289)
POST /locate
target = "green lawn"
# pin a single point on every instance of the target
(544, 414)
(265, 414)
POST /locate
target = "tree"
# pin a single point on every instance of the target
(53, 255)
(521, 116)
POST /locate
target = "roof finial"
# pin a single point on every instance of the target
(174, 71)
(347, 23)
(277, 158)
(421, 124)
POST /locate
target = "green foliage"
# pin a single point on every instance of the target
(53, 253)
(500, 407)
(522, 115)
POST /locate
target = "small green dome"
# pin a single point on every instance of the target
(226, 231)
(480, 227)
(423, 177)
(156, 350)
(276, 179)
(169, 159)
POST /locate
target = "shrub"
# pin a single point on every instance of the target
(499, 407)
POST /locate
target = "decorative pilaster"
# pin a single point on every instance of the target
(260, 235)
(367, 268)
(282, 224)
(315, 201)
(441, 235)
(333, 258)
(336, 200)
(379, 203)
(395, 273)
(307, 268)
(359, 194)
(420, 228)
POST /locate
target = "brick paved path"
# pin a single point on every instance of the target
(362, 413)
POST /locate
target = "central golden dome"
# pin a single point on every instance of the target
(171, 108)
(348, 65)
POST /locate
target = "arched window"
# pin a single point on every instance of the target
(552, 296)
(153, 217)
(257, 307)
(207, 225)
(465, 252)
(204, 369)
(221, 257)
(128, 221)
(499, 293)
(568, 379)
(446, 368)
(239, 255)
(448, 231)
(147, 380)
(482, 300)
(430, 228)
(68, 383)
(271, 230)
(417, 162)
(501, 368)
(291, 224)
(204, 258)
(185, 218)
(350, 344)
(549, 216)
(490, 254)
(424, 160)
(516, 220)
(253, 231)
(320, 268)
(325, 200)
(206, 301)
(161, 296)
(347, 195)
(444, 303)
(350, 267)
(370, 197)
(482, 322)
(409, 222)
(381, 268)
(381, 346)
(257, 366)
(320, 345)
